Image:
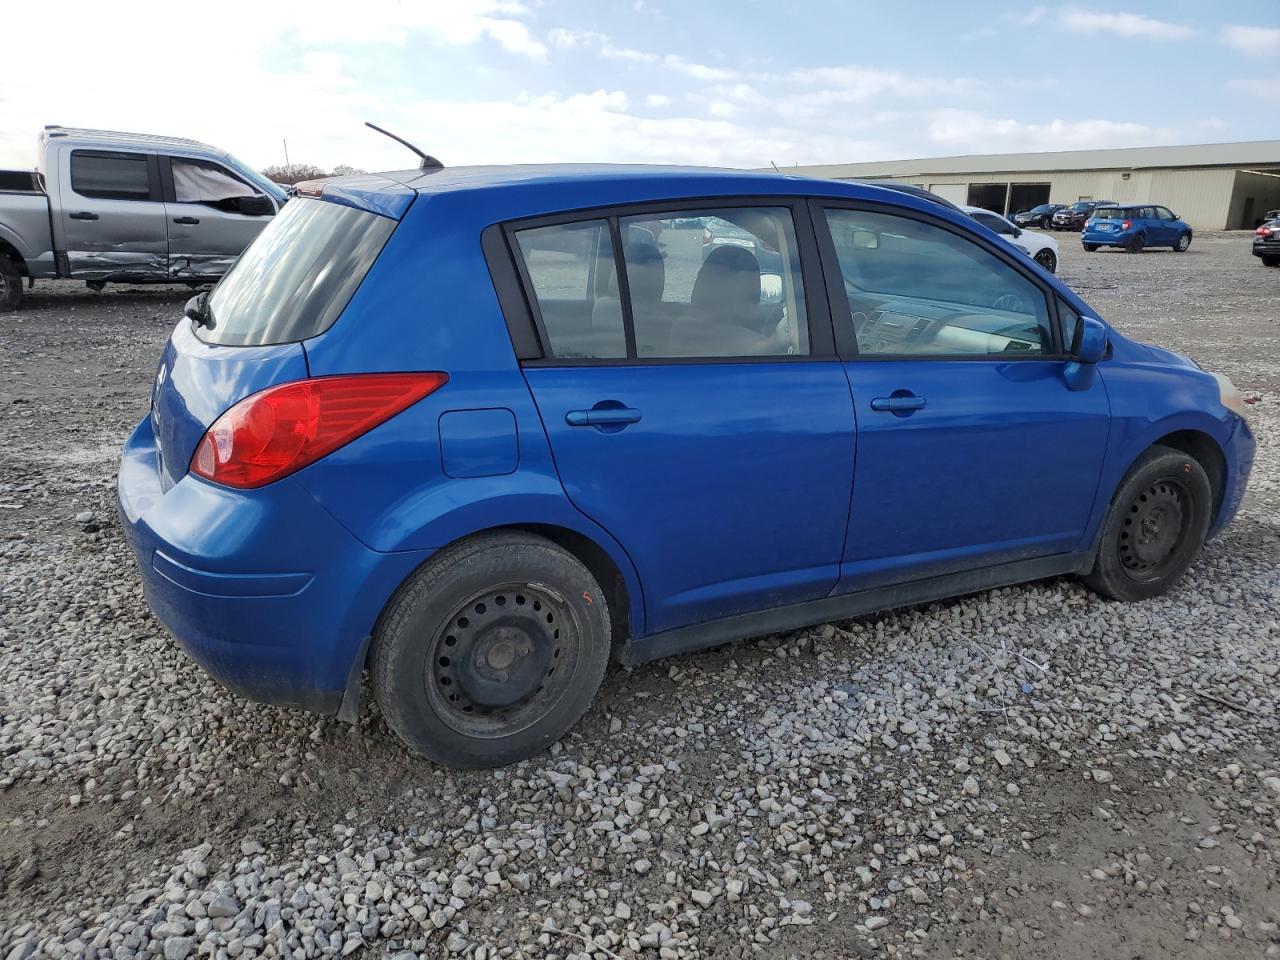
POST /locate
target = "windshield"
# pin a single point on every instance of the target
(1081, 206)
(1110, 213)
(297, 275)
(1044, 208)
(267, 186)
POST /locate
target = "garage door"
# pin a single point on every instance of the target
(955, 192)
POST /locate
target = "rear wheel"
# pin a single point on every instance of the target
(10, 285)
(1271, 261)
(1184, 241)
(1090, 247)
(1137, 243)
(1047, 259)
(1154, 528)
(492, 651)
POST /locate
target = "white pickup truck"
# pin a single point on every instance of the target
(103, 206)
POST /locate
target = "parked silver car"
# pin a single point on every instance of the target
(104, 206)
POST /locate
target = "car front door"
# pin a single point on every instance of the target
(212, 216)
(112, 215)
(973, 450)
(694, 404)
(1170, 227)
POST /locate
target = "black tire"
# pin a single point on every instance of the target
(10, 285)
(1090, 247)
(1154, 528)
(1047, 259)
(1271, 261)
(1136, 244)
(491, 651)
(1184, 241)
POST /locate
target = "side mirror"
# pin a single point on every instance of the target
(865, 239)
(1017, 231)
(255, 206)
(1090, 347)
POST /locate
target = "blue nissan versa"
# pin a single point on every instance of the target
(476, 431)
(1135, 228)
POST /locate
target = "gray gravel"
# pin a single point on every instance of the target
(1030, 771)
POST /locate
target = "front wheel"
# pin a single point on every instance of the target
(1154, 528)
(1184, 241)
(491, 651)
(1047, 259)
(10, 285)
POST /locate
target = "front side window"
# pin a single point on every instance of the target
(720, 283)
(110, 176)
(916, 289)
(197, 181)
(1164, 213)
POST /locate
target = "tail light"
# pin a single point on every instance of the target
(277, 431)
(1263, 231)
(1126, 224)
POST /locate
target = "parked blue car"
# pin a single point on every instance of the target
(471, 431)
(1134, 228)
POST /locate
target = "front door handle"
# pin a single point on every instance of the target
(83, 215)
(186, 220)
(898, 404)
(602, 417)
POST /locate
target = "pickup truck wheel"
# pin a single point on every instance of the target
(491, 651)
(1154, 528)
(10, 285)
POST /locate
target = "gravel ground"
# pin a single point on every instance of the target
(880, 787)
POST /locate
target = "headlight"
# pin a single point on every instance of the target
(1230, 396)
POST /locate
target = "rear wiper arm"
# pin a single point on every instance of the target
(197, 310)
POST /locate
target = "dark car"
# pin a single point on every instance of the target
(1074, 216)
(1266, 242)
(1037, 216)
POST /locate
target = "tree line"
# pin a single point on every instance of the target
(289, 174)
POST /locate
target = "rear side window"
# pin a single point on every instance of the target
(720, 283)
(296, 277)
(110, 176)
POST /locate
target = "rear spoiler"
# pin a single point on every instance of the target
(370, 192)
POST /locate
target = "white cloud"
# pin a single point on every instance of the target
(966, 131)
(658, 100)
(699, 71)
(514, 37)
(1255, 41)
(1122, 24)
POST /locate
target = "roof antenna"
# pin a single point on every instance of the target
(428, 162)
(775, 167)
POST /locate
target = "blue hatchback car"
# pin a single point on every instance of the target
(1134, 228)
(479, 431)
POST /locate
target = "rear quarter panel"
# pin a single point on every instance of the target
(24, 225)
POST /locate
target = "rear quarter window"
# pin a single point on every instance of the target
(297, 276)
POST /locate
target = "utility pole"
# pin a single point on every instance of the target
(286, 151)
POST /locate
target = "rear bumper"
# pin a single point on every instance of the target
(262, 588)
(1270, 249)
(1106, 239)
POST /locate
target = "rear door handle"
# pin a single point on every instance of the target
(186, 220)
(898, 404)
(599, 417)
(82, 215)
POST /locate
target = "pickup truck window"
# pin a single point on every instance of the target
(197, 182)
(110, 176)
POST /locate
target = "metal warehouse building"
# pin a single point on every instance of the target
(1213, 186)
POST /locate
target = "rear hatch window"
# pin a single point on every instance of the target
(1110, 213)
(297, 276)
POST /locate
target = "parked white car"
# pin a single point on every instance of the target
(1041, 247)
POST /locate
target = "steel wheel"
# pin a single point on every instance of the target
(1154, 530)
(502, 659)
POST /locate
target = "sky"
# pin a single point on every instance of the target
(712, 82)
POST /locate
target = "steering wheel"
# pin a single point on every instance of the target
(1011, 303)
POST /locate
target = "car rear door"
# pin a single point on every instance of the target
(212, 215)
(972, 449)
(112, 215)
(693, 401)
